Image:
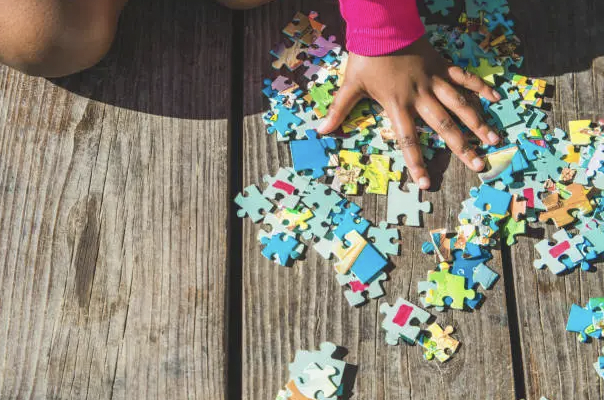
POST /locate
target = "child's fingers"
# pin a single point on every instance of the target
(344, 101)
(473, 83)
(431, 110)
(404, 127)
(457, 103)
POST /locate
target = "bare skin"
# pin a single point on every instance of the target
(416, 81)
(56, 37)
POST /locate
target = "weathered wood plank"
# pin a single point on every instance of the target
(113, 220)
(288, 309)
(560, 48)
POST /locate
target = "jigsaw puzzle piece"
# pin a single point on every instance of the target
(561, 210)
(285, 187)
(485, 276)
(438, 343)
(348, 219)
(281, 120)
(358, 293)
(448, 286)
(377, 174)
(321, 96)
(323, 358)
(358, 256)
(281, 248)
(253, 204)
(312, 154)
(290, 57)
(304, 29)
(503, 163)
(385, 239)
(405, 203)
(317, 380)
(492, 200)
(402, 321)
(322, 199)
(321, 47)
(565, 247)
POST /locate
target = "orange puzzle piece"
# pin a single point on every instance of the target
(559, 210)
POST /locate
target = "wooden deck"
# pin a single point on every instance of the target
(125, 273)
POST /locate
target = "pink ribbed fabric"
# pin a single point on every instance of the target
(378, 27)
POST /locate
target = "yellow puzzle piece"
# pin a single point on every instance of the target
(377, 174)
(349, 254)
(576, 132)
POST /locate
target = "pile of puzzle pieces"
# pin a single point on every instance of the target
(315, 375)
(588, 322)
(534, 175)
(306, 203)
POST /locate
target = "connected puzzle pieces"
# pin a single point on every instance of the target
(315, 375)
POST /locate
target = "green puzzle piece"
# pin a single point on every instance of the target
(448, 285)
(511, 228)
(321, 96)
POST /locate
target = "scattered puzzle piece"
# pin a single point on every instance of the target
(402, 320)
(405, 203)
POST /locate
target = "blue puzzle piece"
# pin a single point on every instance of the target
(503, 171)
(497, 19)
(531, 150)
(281, 248)
(465, 266)
(505, 113)
(311, 154)
(281, 120)
(368, 264)
(498, 201)
(580, 320)
(348, 219)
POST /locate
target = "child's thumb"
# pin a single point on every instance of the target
(344, 101)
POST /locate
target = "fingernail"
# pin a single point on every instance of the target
(478, 163)
(493, 137)
(323, 126)
(496, 94)
(424, 183)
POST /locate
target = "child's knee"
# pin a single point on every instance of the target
(45, 41)
(242, 4)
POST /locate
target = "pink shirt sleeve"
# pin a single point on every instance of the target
(379, 27)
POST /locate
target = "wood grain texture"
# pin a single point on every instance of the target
(569, 55)
(286, 309)
(113, 220)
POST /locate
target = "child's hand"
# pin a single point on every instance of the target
(416, 81)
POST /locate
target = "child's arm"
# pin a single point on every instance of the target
(393, 64)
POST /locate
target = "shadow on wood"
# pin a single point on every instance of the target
(165, 51)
